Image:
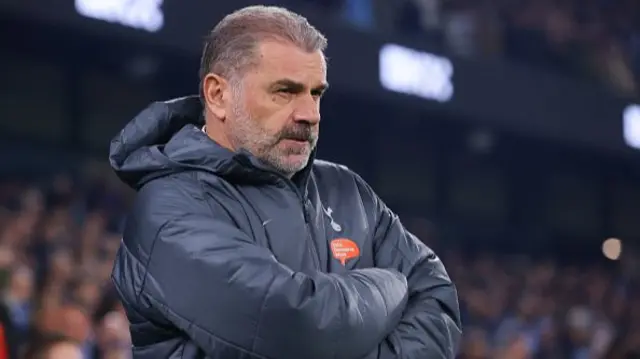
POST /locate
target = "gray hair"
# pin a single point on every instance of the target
(230, 47)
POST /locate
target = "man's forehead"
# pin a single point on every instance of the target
(280, 59)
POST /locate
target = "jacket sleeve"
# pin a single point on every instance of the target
(430, 326)
(214, 284)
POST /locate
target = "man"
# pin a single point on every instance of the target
(241, 245)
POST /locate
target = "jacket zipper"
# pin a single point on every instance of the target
(314, 251)
(303, 202)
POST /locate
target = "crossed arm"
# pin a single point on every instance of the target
(232, 298)
(430, 325)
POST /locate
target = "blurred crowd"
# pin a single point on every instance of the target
(58, 239)
(514, 308)
(593, 39)
(59, 236)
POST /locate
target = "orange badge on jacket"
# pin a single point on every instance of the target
(344, 249)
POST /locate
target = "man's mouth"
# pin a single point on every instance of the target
(296, 144)
(297, 139)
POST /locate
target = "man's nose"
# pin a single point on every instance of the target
(307, 110)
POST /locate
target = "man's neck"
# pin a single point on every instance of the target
(214, 130)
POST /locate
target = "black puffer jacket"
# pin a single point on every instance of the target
(224, 258)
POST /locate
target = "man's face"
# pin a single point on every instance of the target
(274, 109)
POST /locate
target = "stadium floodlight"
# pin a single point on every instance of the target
(416, 73)
(144, 15)
(631, 126)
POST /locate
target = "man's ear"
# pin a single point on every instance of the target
(215, 94)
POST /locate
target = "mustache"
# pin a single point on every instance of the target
(299, 132)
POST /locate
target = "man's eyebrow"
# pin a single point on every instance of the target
(322, 87)
(298, 86)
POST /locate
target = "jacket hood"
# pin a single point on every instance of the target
(167, 137)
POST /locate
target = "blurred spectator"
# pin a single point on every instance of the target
(460, 27)
(590, 39)
(359, 13)
(15, 309)
(53, 347)
(475, 344)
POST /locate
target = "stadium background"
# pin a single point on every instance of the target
(504, 133)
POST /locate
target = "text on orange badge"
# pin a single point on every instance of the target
(344, 249)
